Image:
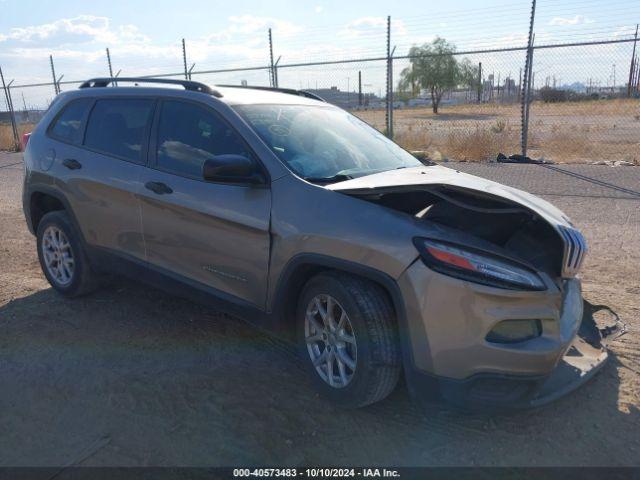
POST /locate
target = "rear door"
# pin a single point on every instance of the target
(102, 174)
(214, 234)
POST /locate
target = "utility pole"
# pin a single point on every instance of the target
(184, 60)
(524, 107)
(360, 88)
(520, 82)
(348, 92)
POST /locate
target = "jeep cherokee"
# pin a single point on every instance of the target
(294, 214)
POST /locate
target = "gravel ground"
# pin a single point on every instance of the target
(131, 376)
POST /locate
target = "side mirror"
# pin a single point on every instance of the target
(231, 169)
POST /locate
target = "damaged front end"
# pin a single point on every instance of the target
(482, 222)
(499, 237)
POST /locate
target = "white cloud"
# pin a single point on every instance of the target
(577, 20)
(251, 24)
(366, 25)
(84, 37)
(624, 31)
(79, 30)
(82, 28)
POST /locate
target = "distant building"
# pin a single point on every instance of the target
(418, 102)
(347, 100)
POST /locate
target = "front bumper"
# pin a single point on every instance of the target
(447, 322)
(489, 391)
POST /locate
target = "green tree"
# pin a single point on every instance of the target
(468, 74)
(434, 67)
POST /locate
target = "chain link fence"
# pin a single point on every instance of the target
(597, 118)
(475, 120)
(580, 102)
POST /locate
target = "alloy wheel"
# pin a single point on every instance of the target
(330, 341)
(58, 255)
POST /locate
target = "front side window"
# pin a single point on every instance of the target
(324, 143)
(188, 135)
(117, 127)
(68, 125)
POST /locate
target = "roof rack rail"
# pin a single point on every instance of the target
(187, 84)
(291, 91)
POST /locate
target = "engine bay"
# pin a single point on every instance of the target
(501, 222)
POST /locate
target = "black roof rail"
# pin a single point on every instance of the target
(187, 84)
(291, 91)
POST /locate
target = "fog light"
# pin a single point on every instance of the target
(512, 331)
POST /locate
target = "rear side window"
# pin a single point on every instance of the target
(189, 134)
(117, 127)
(68, 125)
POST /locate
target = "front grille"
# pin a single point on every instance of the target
(575, 248)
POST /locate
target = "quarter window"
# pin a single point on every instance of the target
(188, 135)
(68, 125)
(117, 127)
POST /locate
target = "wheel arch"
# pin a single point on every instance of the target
(42, 200)
(304, 266)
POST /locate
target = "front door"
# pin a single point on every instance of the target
(214, 234)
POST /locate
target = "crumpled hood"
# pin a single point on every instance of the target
(437, 175)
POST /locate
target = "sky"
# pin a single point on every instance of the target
(144, 38)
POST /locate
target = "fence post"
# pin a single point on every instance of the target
(53, 75)
(109, 63)
(480, 82)
(391, 93)
(272, 76)
(636, 81)
(388, 104)
(276, 82)
(12, 115)
(184, 60)
(524, 107)
(632, 65)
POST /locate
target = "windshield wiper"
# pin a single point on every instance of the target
(340, 177)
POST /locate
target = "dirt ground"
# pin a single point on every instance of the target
(130, 376)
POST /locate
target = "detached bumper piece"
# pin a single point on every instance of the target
(586, 355)
(584, 358)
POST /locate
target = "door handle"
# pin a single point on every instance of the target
(158, 187)
(72, 164)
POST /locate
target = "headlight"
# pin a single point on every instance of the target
(476, 266)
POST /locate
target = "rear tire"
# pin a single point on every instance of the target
(350, 320)
(62, 257)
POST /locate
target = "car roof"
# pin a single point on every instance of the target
(229, 94)
(248, 95)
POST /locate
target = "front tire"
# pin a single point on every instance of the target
(62, 257)
(348, 339)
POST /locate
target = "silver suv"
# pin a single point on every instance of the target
(299, 217)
